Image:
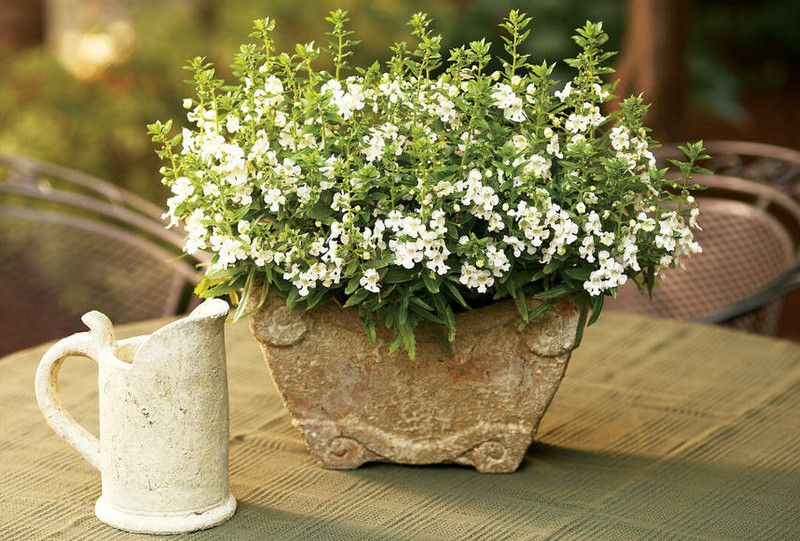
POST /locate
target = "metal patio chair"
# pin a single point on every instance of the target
(750, 260)
(70, 243)
(769, 164)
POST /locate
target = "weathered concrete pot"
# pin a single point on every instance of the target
(354, 403)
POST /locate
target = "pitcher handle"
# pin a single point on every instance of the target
(84, 344)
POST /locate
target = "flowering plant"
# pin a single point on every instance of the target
(428, 186)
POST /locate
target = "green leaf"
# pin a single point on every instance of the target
(292, 298)
(402, 311)
(597, 307)
(352, 285)
(396, 343)
(391, 315)
(243, 302)
(368, 320)
(522, 306)
(321, 210)
(409, 342)
(376, 264)
(541, 309)
(357, 298)
(219, 290)
(431, 283)
(578, 274)
(584, 311)
(422, 304)
(397, 275)
(553, 293)
(456, 294)
(318, 297)
(440, 338)
(450, 318)
(222, 274)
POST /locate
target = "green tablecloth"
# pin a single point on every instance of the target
(660, 431)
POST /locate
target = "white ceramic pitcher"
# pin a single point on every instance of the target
(163, 447)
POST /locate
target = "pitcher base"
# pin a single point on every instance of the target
(164, 523)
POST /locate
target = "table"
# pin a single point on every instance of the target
(661, 430)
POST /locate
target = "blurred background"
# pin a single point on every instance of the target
(82, 78)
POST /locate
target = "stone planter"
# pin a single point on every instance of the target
(354, 403)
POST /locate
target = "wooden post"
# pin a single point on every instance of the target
(21, 24)
(654, 61)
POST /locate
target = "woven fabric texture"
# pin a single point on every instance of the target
(662, 430)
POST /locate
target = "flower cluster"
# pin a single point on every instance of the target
(409, 194)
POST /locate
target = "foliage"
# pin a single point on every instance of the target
(95, 125)
(408, 194)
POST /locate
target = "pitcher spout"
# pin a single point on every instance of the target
(191, 339)
(211, 309)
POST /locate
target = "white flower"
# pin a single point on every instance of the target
(576, 140)
(304, 193)
(607, 238)
(519, 142)
(594, 285)
(196, 232)
(438, 222)
(594, 117)
(259, 148)
(475, 278)
(275, 199)
(497, 260)
(620, 138)
(286, 138)
(516, 244)
(329, 169)
(331, 85)
(503, 96)
(374, 145)
(182, 188)
(412, 227)
(540, 166)
(345, 101)
(273, 85)
(369, 280)
(530, 90)
(272, 94)
(394, 220)
(553, 147)
(593, 226)
(576, 123)
(515, 112)
(586, 250)
(600, 93)
(228, 249)
(693, 215)
(563, 94)
(232, 123)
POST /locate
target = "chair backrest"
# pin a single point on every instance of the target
(769, 164)
(751, 243)
(70, 243)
